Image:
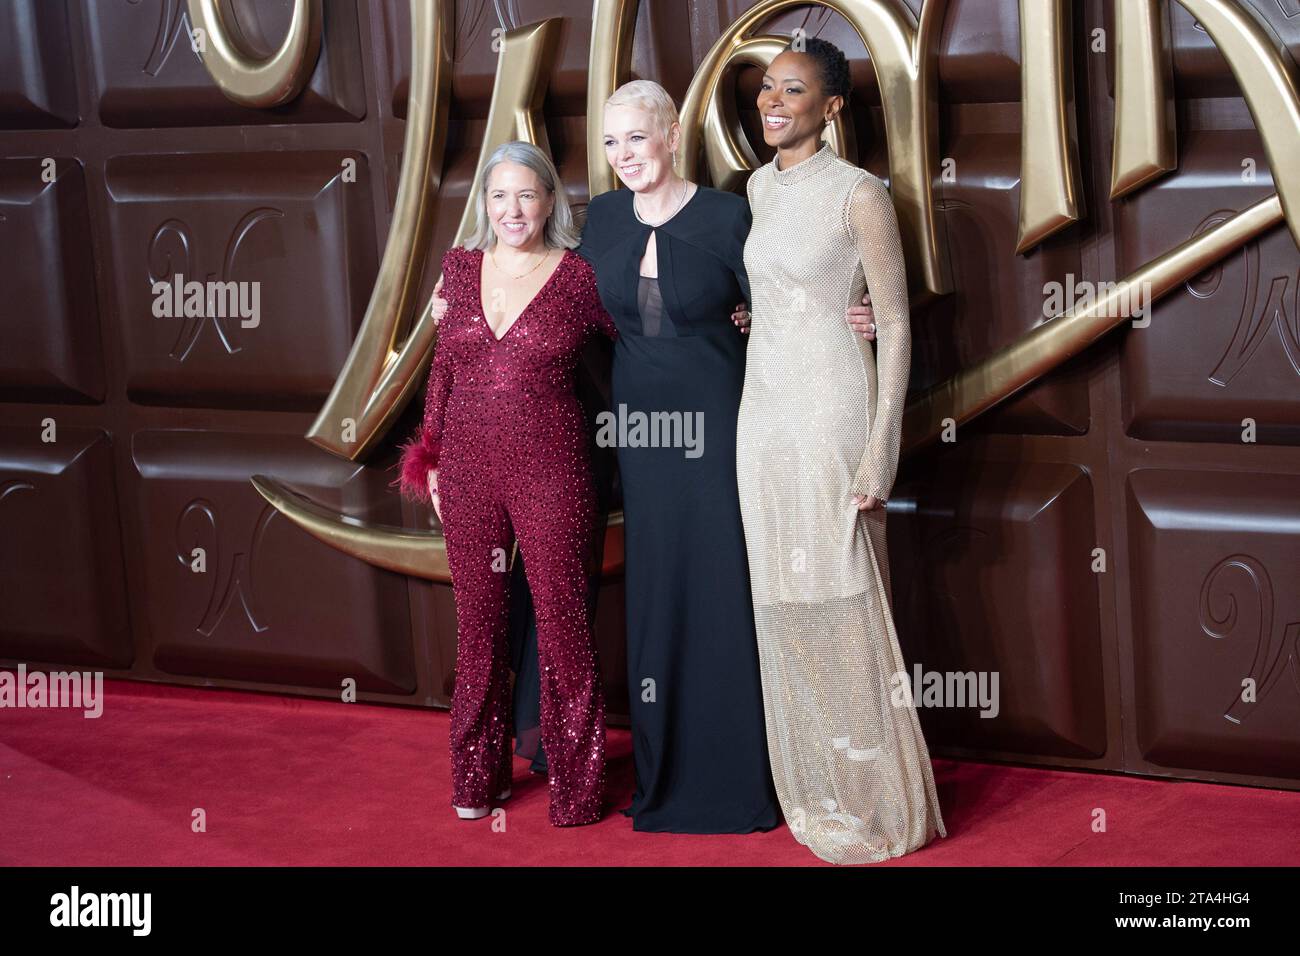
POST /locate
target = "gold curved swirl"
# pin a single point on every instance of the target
(902, 52)
(420, 554)
(727, 152)
(904, 56)
(1263, 72)
(239, 73)
(380, 374)
(523, 71)
(1005, 372)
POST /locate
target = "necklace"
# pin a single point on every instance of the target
(636, 212)
(492, 255)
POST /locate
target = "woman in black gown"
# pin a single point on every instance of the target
(668, 257)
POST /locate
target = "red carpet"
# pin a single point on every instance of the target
(287, 780)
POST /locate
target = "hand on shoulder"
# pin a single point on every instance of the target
(438, 303)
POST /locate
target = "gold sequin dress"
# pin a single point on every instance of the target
(820, 420)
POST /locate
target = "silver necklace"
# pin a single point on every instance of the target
(636, 212)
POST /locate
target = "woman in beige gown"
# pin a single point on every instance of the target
(817, 449)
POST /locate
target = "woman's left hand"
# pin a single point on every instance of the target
(868, 502)
(862, 318)
(740, 318)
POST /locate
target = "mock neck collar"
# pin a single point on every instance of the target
(801, 170)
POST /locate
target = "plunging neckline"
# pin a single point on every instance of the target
(524, 311)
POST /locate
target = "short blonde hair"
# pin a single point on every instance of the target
(649, 96)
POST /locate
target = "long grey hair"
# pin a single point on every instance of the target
(561, 233)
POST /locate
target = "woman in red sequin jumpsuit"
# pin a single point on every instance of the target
(505, 438)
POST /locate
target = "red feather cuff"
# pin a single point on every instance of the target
(419, 456)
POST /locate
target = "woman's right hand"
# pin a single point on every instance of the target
(433, 493)
(740, 318)
(437, 304)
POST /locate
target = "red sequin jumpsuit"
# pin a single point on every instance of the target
(503, 426)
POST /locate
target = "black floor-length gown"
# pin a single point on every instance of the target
(694, 684)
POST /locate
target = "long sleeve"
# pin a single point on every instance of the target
(420, 454)
(873, 224)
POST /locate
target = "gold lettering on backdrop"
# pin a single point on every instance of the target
(381, 372)
(377, 382)
(379, 375)
(1049, 161)
(1145, 128)
(1007, 371)
(524, 67)
(612, 25)
(421, 554)
(243, 76)
(1263, 73)
(902, 54)
(905, 57)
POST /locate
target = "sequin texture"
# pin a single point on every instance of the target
(503, 425)
(820, 421)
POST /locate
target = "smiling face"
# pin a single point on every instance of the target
(791, 102)
(518, 205)
(636, 148)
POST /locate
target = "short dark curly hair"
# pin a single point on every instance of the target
(832, 64)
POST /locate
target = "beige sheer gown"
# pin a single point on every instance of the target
(820, 420)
